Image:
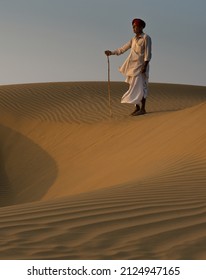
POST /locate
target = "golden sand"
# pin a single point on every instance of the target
(77, 184)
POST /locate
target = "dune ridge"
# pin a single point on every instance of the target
(77, 184)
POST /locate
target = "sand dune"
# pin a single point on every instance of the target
(77, 184)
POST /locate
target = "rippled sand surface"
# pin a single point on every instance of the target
(78, 184)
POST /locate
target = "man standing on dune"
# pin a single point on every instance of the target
(136, 67)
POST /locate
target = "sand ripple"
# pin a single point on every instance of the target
(77, 184)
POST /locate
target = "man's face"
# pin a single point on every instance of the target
(137, 29)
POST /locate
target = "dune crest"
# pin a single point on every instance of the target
(77, 184)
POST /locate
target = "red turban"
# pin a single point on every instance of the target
(138, 21)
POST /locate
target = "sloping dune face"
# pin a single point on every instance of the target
(78, 184)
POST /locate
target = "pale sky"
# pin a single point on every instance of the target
(64, 40)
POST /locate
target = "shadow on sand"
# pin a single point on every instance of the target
(24, 167)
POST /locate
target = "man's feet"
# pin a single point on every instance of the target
(137, 109)
(139, 112)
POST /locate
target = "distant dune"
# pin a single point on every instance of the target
(78, 184)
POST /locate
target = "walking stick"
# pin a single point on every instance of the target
(109, 88)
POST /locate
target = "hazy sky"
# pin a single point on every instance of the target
(64, 40)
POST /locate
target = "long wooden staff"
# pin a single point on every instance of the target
(109, 87)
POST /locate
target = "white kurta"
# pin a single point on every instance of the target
(131, 68)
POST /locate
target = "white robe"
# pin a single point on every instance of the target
(131, 68)
(138, 88)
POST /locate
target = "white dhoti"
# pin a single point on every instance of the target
(138, 88)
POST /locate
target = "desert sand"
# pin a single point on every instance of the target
(78, 184)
